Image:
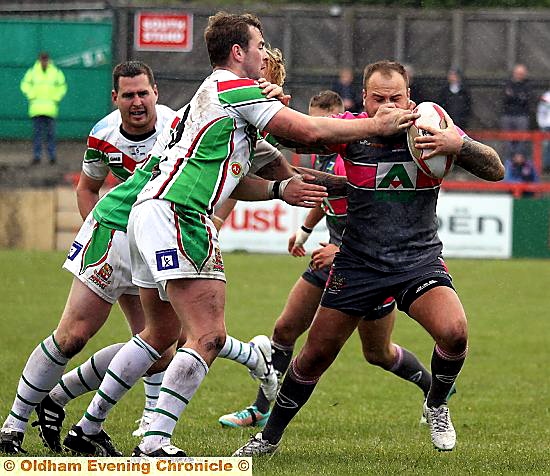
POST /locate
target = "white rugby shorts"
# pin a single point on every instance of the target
(167, 242)
(100, 258)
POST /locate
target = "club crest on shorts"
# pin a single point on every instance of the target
(105, 272)
(76, 248)
(167, 259)
(218, 260)
(101, 278)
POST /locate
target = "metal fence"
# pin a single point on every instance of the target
(317, 41)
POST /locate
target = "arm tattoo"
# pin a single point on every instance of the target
(335, 184)
(300, 148)
(268, 171)
(480, 160)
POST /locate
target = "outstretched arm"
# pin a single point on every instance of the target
(335, 184)
(280, 169)
(294, 191)
(293, 125)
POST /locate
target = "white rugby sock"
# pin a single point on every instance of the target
(86, 377)
(152, 385)
(175, 394)
(240, 352)
(126, 368)
(42, 371)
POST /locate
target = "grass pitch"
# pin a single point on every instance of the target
(360, 419)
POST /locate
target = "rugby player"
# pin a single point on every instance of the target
(304, 297)
(117, 143)
(390, 248)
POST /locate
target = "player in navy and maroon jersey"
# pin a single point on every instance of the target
(305, 296)
(390, 248)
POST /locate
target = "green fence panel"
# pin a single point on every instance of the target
(531, 235)
(81, 49)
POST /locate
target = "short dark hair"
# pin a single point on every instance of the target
(385, 68)
(225, 30)
(130, 69)
(327, 100)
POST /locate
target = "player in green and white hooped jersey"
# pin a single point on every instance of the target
(172, 239)
(98, 258)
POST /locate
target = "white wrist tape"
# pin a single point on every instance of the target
(302, 234)
(284, 183)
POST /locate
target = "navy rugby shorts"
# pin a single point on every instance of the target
(319, 278)
(359, 290)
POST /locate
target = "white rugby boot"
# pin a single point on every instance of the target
(441, 427)
(257, 446)
(264, 370)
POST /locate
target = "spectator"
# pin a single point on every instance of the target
(44, 87)
(543, 122)
(455, 98)
(345, 88)
(515, 106)
(519, 169)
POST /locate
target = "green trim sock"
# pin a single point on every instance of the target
(42, 371)
(126, 368)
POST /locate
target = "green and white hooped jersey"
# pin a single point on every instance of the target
(113, 209)
(211, 149)
(108, 149)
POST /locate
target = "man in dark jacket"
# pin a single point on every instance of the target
(515, 106)
(455, 98)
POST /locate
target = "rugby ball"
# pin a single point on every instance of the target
(431, 114)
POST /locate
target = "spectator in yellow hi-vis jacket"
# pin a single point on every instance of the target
(44, 86)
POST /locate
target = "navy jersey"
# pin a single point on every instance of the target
(392, 223)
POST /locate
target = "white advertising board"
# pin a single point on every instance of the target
(470, 226)
(475, 225)
(265, 227)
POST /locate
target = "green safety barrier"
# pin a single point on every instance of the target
(82, 50)
(531, 228)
